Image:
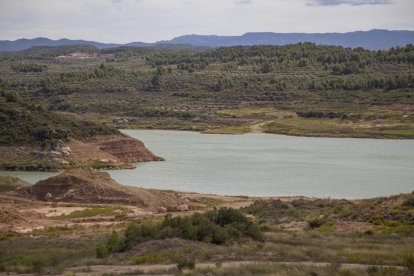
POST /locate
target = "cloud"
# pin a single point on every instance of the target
(347, 2)
(123, 21)
(242, 2)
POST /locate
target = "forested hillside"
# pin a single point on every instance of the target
(354, 92)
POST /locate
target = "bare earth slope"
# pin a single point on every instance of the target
(91, 186)
(117, 149)
(125, 148)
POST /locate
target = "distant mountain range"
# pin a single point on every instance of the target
(373, 40)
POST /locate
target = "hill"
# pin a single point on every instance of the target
(300, 89)
(372, 40)
(24, 43)
(33, 138)
(28, 124)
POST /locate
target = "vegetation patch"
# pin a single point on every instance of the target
(218, 226)
(185, 88)
(148, 259)
(10, 183)
(24, 123)
(229, 130)
(95, 211)
(56, 230)
(334, 127)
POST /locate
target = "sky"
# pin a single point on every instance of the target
(122, 21)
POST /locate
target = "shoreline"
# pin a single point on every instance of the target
(214, 195)
(269, 133)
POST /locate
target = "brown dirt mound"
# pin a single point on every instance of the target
(87, 186)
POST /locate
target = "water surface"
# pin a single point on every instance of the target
(273, 165)
(269, 165)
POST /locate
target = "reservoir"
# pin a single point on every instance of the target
(268, 165)
(273, 165)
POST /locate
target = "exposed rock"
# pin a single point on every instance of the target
(115, 150)
(183, 208)
(120, 120)
(125, 148)
(162, 209)
(85, 152)
(47, 196)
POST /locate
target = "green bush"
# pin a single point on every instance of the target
(147, 259)
(409, 202)
(218, 226)
(186, 263)
(316, 223)
(408, 261)
(101, 251)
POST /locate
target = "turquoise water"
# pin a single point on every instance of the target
(270, 165)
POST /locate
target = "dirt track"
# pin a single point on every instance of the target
(100, 269)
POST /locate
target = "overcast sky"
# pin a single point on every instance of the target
(123, 21)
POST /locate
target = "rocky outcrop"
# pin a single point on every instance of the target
(125, 148)
(114, 149)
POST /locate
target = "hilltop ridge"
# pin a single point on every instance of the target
(372, 40)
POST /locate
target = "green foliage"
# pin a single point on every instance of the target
(229, 130)
(186, 264)
(57, 230)
(408, 261)
(45, 255)
(26, 68)
(409, 202)
(147, 259)
(265, 68)
(26, 124)
(218, 226)
(180, 87)
(101, 251)
(95, 211)
(49, 52)
(10, 96)
(315, 114)
(10, 183)
(29, 166)
(316, 223)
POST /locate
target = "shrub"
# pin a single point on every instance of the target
(147, 259)
(316, 223)
(409, 202)
(101, 251)
(10, 96)
(113, 243)
(218, 226)
(37, 265)
(372, 269)
(28, 68)
(186, 263)
(408, 261)
(369, 232)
